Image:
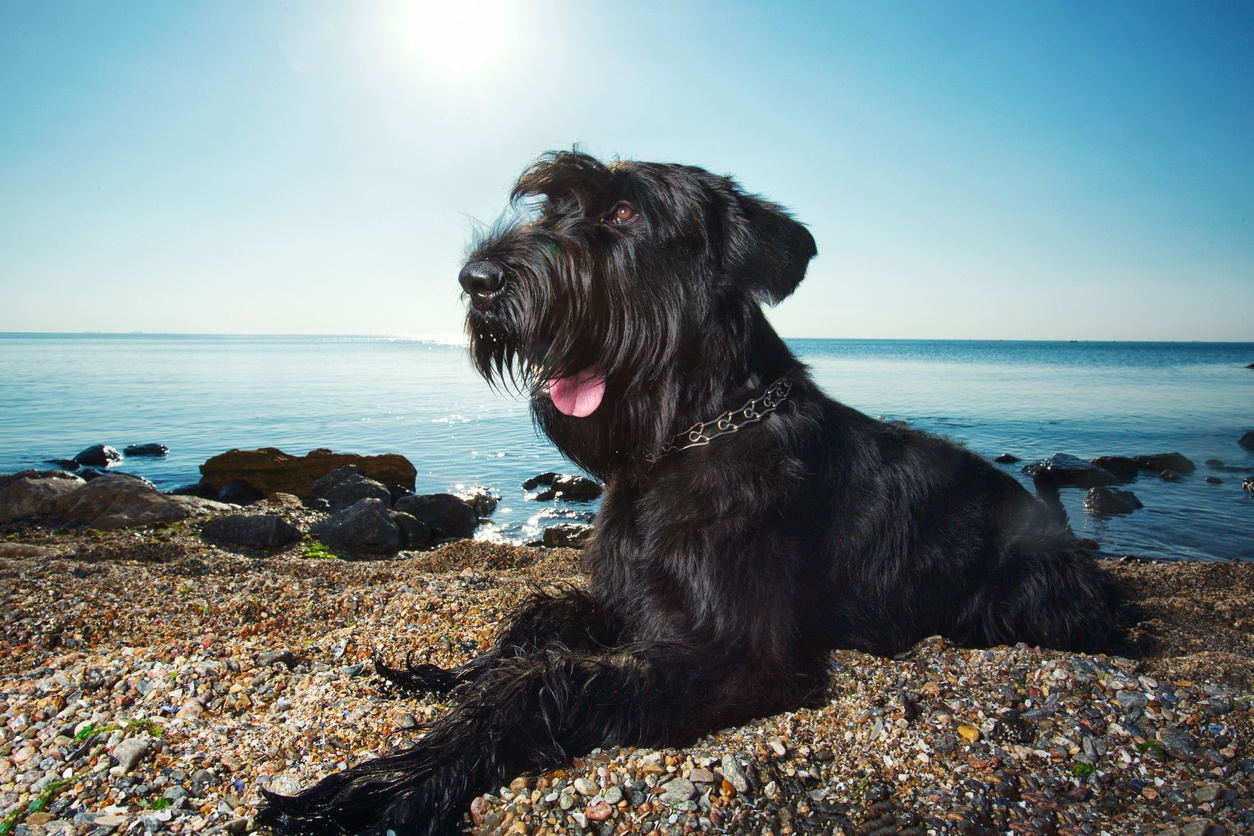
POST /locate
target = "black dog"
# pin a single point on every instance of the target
(750, 524)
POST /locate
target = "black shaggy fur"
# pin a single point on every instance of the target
(720, 575)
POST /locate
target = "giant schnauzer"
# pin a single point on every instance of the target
(750, 522)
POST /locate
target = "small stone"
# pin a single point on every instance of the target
(676, 791)
(614, 794)
(1207, 792)
(585, 787)
(479, 809)
(970, 733)
(734, 774)
(599, 811)
(129, 752)
(777, 746)
(701, 776)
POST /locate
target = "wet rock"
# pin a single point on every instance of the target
(1165, 461)
(239, 492)
(1072, 472)
(346, 486)
(1247, 440)
(1007, 458)
(156, 450)
(99, 455)
(32, 493)
(447, 516)
(270, 470)
(481, 499)
(542, 479)
(366, 527)
(1103, 502)
(1122, 468)
(570, 488)
(567, 535)
(257, 531)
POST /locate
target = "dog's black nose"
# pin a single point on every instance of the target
(483, 280)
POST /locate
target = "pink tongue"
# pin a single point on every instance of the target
(577, 396)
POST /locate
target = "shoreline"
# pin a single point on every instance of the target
(139, 687)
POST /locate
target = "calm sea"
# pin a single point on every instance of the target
(202, 395)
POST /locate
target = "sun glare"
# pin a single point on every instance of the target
(458, 35)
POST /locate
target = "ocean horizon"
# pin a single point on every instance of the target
(202, 394)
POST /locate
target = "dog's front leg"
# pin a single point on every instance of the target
(567, 618)
(533, 713)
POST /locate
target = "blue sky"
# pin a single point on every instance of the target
(969, 170)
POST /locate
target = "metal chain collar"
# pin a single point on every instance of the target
(703, 432)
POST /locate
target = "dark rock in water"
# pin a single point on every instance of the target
(270, 470)
(1072, 472)
(415, 534)
(566, 535)
(99, 455)
(366, 527)
(258, 531)
(1214, 480)
(1007, 458)
(1247, 440)
(32, 493)
(481, 499)
(1106, 501)
(346, 486)
(572, 488)
(1165, 461)
(146, 450)
(447, 516)
(64, 464)
(1121, 467)
(239, 492)
(199, 489)
(1169, 476)
(534, 482)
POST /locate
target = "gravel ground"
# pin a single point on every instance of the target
(150, 683)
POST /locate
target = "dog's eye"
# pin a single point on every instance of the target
(623, 213)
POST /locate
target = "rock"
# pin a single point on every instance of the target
(677, 791)
(99, 455)
(346, 486)
(446, 515)
(365, 527)
(566, 536)
(1103, 502)
(598, 811)
(277, 657)
(571, 488)
(415, 534)
(270, 470)
(239, 492)
(1007, 458)
(1165, 461)
(1247, 440)
(1177, 742)
(1072, 472)
(735, 776)
(585, 787)
(8, 549)
(1169, 476)
(534, 482)
(198, 489)
(32, 493)
(1122, 468)
(481, 499)
(1214, 480)
(129, 752)
(119, 502)
(146, 450)
(256, 531)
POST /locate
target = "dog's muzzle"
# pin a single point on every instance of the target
(483, 281)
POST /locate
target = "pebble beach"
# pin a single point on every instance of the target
(153, 683)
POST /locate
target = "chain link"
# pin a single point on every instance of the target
(703, 432)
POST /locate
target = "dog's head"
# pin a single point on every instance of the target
(624, 297)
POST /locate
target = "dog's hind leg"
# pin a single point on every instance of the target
(568, 618)
(533, 713)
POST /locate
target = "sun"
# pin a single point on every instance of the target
(457, 35)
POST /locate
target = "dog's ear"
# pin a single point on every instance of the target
(765, 250)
